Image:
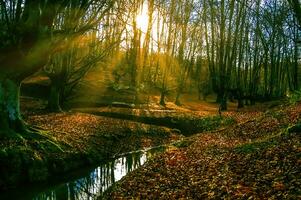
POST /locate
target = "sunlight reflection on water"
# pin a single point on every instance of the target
(94, 183)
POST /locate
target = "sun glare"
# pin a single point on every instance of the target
(142, 19)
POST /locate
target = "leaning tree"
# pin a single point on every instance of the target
(30, 33)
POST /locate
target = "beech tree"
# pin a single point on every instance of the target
(29, 35)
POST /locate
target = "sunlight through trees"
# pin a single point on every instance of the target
(243, 50)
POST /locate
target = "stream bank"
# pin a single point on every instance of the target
(87, 183)
(77, 141)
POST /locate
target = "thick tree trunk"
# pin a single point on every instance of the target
(11, 123)
(10, 116)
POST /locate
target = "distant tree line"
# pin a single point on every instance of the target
(247, 50)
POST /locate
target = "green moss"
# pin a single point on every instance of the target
(182, 143)
(256, 146)
(193, 125)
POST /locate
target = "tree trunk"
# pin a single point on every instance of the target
(223, 100)
(10, 116)
(240, 99)
(162, 99)
(178, 102)
(252, 101)
(223, 104)
(219, 97)
(54, 99)
(240, 103)
(11, 123)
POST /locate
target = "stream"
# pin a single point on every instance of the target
(86, 184)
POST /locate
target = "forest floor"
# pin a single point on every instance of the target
(257, 158)
(74, 140)
(220, 162)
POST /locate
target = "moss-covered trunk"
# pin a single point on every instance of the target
(10, 116)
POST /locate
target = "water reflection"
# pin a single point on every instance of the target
(94, 183)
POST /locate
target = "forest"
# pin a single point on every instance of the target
(150, 99)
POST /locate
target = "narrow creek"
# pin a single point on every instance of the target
(87, 184)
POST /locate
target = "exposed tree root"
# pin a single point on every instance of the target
(29, 133)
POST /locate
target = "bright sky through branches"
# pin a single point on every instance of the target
(142, 18)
